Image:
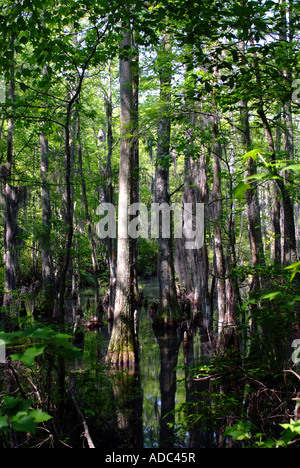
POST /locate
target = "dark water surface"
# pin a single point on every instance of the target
(163, 384)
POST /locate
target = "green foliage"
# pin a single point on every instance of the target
(34, 342)
(242, 431)
(224, 54)
(239, 190)
(147, 257)
(43, 356)
(293, 269)
(18, 415)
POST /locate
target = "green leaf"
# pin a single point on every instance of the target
(22, 422)
(264, 176)
(40, 416)
(269, 443)
(29, 355)
(26, 72)
(239, 431)
(240, 189)
(11, 402)
(292, 167)
(272, 296)
(3, 423)
(295, 268)
(13, 405)
(293, 426)
(42, 333)
(251, 154)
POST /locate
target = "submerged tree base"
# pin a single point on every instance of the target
(121, 359)
(167, 318)
(123, 346)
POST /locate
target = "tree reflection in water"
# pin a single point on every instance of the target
(169, 342)
(129, 406)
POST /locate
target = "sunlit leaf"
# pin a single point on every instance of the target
(40, 416)
(251, 154)
(239, 431)
(292, 167)
(240, 190)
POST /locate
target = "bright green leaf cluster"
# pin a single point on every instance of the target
(241, 431)
(18, 415)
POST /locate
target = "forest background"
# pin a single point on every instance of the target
(169, 102)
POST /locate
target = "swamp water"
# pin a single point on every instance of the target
(162, 385)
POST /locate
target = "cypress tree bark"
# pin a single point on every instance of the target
(122, 350)
(48, 281)
(187, 261)
(218, 241)
(169, 312)
(108, 191)
(95, 266)
(290, 250)
(68, 219)
(10, 195)
(254, 222)
(68, 187)
(253, 208)
(136, 172)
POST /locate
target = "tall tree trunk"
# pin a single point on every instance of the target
(93, 247)
(122, 350)
(68, 187)
(205, 305)
(68, 220)
(187, 261)
(48, 281)
(108, 195)
(253, 208)
(136, 172)
(276, 221)
(290, 250)
(230, 332)
(168, 312)
(218, 221)
(10, 200)
(48, 278)
(254, 221)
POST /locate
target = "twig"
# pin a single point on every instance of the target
(86, 429)
(14, 373)
(176, 190)
(293, 372)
